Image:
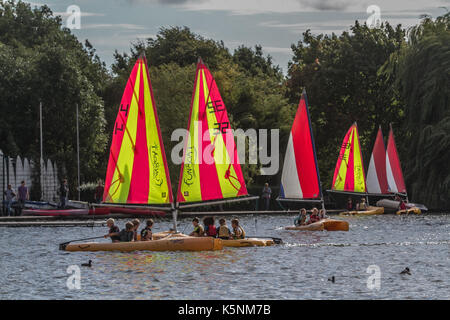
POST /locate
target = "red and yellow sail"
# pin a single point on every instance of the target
(137, 168)
(349, 173)
(210, 168)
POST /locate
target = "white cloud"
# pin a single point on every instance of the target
(113, 26)
(83, 14)
(250, 7)
(281, 50)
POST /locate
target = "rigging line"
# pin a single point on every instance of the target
(117, 188)
(140, 111)
(118, 179)
(228, 176)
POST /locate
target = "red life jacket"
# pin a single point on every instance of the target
(211, 231)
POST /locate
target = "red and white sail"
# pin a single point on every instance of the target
(300, 177)
(393, 168)
(376, 175)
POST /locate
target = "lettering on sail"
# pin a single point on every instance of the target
(118, 129)
(155, 152)
(122, 109)
(345, 146)
(189, 172)
(215, 106)
(221, 127)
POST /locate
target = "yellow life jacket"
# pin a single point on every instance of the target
(199, 229)
(223, 232)
(242, 236)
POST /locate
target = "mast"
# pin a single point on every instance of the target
(78, 155)
(41, 160)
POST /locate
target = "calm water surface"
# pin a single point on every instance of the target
(32, 267)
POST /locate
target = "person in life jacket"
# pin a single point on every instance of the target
(198, 229)
(146, 233)
(125, 235)
(113, 229)
(301, 219)
(223, 232)
(349, 204)
(210, 228)
(401, 205)
(136, 223)
(238, 231)
(314, 215)
(362, 206)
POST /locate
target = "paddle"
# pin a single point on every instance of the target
(276, 240)
(62, 246)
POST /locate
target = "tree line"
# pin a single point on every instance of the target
(375, 76)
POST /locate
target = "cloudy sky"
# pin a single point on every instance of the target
(114, 24)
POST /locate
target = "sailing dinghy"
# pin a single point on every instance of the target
(395, 182)
(349, 177)
(300, 180)
(211, 172)
(137, 171)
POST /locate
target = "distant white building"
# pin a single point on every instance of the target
(14, 170)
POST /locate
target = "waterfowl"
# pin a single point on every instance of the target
(89, 264)
(332, 279)
(406, 271)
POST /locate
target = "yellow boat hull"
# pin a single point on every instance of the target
(249, 242)
(413, 210)
(171, 243)
(369, 212)
(335, 225)
(316, 226)
(325, 224)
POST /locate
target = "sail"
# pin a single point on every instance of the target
(300, 176)
(376, 174)
(210, 168)
(137, 168)
(349, 173)
(393, 168)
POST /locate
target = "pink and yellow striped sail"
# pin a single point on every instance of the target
(137, 168)
(211, 169)
(349, 173)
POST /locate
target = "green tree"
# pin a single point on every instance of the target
(340, 75)
(422, 72)
(43, 62)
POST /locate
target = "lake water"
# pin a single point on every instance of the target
(32, 267)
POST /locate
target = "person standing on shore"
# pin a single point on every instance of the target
(24, 195)
(266, 194)
(9, 196)
(63, 194)
(98, 195)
